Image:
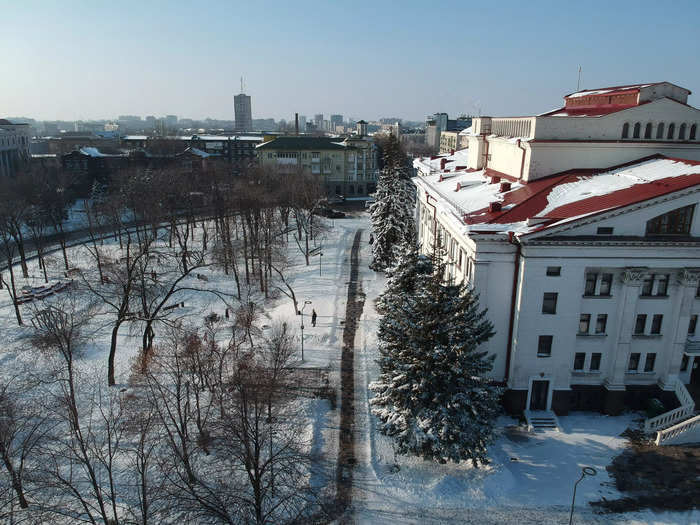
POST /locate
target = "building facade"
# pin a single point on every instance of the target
(348, 167)
(243, 113)
(588, 260)
(14, 147)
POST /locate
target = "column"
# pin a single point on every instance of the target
(632, 279)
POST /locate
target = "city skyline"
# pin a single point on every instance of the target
(164, 58)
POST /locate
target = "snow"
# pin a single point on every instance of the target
(92, 152)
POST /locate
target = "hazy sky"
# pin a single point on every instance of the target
(364, 59)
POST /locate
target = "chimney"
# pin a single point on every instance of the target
(296, 123)
(452, 152)
(495, 180)
(459, 187)
(505, 186)
(494, 207)
(443, 161)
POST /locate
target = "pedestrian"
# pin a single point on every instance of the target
(313, 318)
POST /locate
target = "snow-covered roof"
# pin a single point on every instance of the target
(431, 164)
(528, 207)
(257, 138)
(466, 131)
(92, 152)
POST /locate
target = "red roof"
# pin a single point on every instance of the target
(531, 199)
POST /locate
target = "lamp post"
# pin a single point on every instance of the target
(302, 329)
(320, 254)
(585, 471)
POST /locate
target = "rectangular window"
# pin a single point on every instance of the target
(656, 323)
(692, 324)
(544, 345)
(605, 284)
(584, 323)
(549, 303)
(640, 324)
(595, 362)
(579, 360)
(633, 362)
(684, 363)
(604, 230)
(590, 283)
(601, 323)
(662, 287)
(649, 363)
(553, 271)
(648, 285)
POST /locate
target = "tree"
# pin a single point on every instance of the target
(432, 395)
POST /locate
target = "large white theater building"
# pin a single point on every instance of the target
(580, 231)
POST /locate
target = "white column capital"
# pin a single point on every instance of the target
(634, 276)
(689, 277)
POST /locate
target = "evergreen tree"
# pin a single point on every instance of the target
(432, 396)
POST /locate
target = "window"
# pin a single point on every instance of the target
(676, 222)
(671, 131)
(640, 324)
(692, 324)
(604, 230)
(681, 132)
(605, 284)
(590, 283)
(656, 323)
(637, 128)
(649, 362)
(662, 286)
(684, 363)
(660, 131)
(647, 131)
(693, 131)
(584, 323)
(595, 362)
(544, 345)
(648, 285)
(633, 362)
(549, 303)
(553, 271)
(625, 130)
(601, 323)
(579, 360)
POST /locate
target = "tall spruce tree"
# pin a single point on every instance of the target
(432, 396)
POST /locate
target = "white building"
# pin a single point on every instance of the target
(14, 146)
(579, 231)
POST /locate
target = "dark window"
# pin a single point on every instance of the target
(544, 345)
(684, 363)
(600, 323)
(554, 271)
(549, 303)
(584, 323)
(671, 131)
(647, 131)
(648, 285)
(634, 362)
(640, 324)
(662, 287)
(681, 132)
(595, 361)
(692, 324)
(605, 284)
(660, 130)
(590, 283)
(649, 363)
(656, 323)
(604, 230)
(625, 130)
(637, 128)
(338, 191)
(693, 131)
(676, 222)
(579, 360)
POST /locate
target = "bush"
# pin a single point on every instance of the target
(654, 407)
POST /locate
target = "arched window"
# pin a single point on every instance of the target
(676, 222)
(681, 132)
(625, 130)
(671, 131)
(647, 131)
(660, 130)
(637, 129)
(693, 131)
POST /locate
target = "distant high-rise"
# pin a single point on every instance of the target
(336, 120)
(318, 120)
(243, 112)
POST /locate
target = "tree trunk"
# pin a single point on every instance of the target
(112, 353)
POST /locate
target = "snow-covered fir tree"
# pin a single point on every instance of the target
(433, 396)
(392, 213)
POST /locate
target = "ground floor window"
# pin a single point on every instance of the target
(633, 362)
(579, 360)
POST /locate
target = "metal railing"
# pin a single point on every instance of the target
(677, 430)
(672, 417)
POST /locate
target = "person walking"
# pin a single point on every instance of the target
(313, 318)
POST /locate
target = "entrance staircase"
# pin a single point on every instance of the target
(541, 420)
(676, 426)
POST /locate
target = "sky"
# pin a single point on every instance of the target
(363, 59)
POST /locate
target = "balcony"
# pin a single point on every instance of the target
(692, 348)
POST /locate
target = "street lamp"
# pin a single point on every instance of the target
(302, 329)
(585, 471)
